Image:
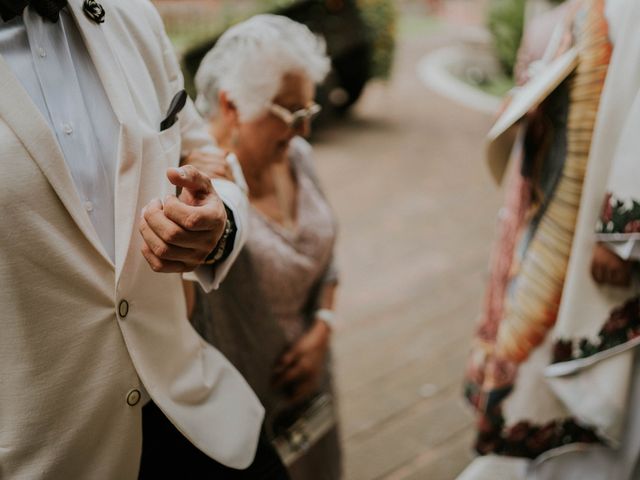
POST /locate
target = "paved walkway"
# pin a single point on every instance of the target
(407, 177)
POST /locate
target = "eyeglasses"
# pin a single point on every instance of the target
(295, 120)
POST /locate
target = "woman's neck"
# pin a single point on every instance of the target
(259, 180)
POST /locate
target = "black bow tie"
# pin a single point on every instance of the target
(47, 9)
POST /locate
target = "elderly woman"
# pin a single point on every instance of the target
(273, 316)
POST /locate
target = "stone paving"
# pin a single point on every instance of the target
(407, 177)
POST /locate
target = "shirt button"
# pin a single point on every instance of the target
(133, 397)
(123, 309)
(41, 52)
(88, 206)
(67, 128)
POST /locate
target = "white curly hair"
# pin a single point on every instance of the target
(250, 60)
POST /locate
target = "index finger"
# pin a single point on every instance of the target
(190, 178)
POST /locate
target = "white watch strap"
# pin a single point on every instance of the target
(328, 317)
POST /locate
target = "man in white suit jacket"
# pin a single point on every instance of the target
(92, 324)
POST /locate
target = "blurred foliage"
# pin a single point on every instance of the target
(506, 19)
(360, 36)
(381, 17)
(506, 24)
(187, 28)
(497, 85)
(415, 26)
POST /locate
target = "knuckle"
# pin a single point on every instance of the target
(192, 220)
(220, 211)
(169, 201)
(161, 250)
(146, 252)
(156, 266)
(172, 234)
(190, 170)
(218, 214)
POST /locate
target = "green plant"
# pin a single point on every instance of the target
(506, 24)
(360, 36)
(380, 16)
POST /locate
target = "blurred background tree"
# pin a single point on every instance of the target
(506, 24)
(380, 16)
(360, 36)
(506, 20)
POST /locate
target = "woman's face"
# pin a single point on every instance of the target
(265, 140)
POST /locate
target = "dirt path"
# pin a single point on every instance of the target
(407, 178)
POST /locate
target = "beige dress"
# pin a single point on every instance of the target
(268, 298)
(290, 261)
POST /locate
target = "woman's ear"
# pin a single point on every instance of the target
(228, 109)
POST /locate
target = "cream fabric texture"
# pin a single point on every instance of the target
(68, 361)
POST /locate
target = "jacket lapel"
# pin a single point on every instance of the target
(98, 41)
(28, 124)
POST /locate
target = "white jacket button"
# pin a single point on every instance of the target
(123, 309)
(133, 397)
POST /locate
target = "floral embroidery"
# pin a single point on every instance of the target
(528, 440)
(622, 326)
(619, 216)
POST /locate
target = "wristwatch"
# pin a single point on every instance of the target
(224, 247)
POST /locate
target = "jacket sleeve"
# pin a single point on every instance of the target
(194, 136)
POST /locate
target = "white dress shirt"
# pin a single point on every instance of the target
(52, 63)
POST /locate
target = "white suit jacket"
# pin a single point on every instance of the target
(79, 334)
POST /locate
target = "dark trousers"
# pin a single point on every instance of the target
(167, 454)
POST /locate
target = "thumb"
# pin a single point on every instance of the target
(191, 179)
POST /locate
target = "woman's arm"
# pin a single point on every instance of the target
(300, 370)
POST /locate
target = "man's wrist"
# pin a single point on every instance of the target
(224, 247)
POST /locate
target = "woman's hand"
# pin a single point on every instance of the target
(608, 268)
(299, 371)
(211, 164)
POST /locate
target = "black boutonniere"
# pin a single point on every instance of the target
(94, 11)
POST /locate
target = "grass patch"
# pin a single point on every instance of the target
(498, 86)
(417, 25)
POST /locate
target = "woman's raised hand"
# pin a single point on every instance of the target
(211, 164)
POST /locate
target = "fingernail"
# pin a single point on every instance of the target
(180, 171)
